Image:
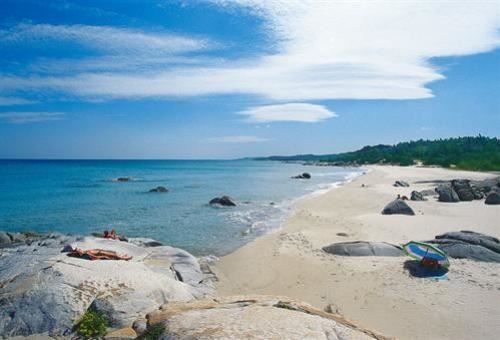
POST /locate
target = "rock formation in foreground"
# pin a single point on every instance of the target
(254, 317)
(44, 291)
(398, 207)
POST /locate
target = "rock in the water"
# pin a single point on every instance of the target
(304, 175)
(159, 189)
(46, 293)
(417, 196)
(397, 207)
(447, 194)
(254, 317)
(123, 179)
(361, 248)
(469, 245)
(493, 198)
(463, 189)
(224, 201)
(400, 184)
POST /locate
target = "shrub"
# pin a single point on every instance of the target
(92, 324)
(153, 332)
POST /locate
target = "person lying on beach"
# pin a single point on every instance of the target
(98, 254)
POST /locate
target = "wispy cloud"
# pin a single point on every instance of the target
(326, 50)
(30, 117)
(7, 101)
(291, 112)
(237, 139)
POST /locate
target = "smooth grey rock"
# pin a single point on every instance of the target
(447, 194)
(144, 242)
(362, 248)
(159, 189)
(417, 196)
(4, 239)
(398, 207)
(493, 198)
(46, 293)
(140, 326)
(400, 184)
(224, 201)
(463, 189)
(470, 245)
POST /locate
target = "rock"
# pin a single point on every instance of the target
(224, 201)
(397, 207)
(144, 242)
(487, 185)
(304, 175)
(123, 333)
(417, 196)
(400, 184)
(447, 194)
(493, 198)
(362, 248)
(463, 189)
(428, 192)
(159, 189)
(469, 245)
(123, 179)
(47, 292)
(253, 317)
(140, 326)
(4, 239)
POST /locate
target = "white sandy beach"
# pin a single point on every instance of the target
(376, 292)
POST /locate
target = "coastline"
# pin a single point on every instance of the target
(375, 291)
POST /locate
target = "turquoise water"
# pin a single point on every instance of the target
(83, 197)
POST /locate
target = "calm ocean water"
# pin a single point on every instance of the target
(82, 197)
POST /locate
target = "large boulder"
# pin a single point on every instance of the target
(253, 317)
(304, 175)
(463, 189)
(46, 293)
(401, 184)
(493, 198)
(361, 248)
(417, 196)
(447, 194)
(224, 201)
(397, 207)
(487, 185)
(159, 189)
(469, 245)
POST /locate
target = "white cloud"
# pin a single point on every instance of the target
(375, 49)
(30, 117)
(7, 101)
(291, 112)
(238, 139)
(103, 38)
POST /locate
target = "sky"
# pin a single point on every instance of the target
(210, 79)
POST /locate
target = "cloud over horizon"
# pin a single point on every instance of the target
(30, 117)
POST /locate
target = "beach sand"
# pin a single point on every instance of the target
(376, 292)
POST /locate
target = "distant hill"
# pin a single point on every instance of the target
(469, 153)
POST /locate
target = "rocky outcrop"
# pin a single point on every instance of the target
(254, 317)
(487, 185)
(44, 291)
(159, 189)
(463, 189)
(493, 198)
(447, 194)
(401, 184)
(397, 207)
(304, 175)
(223, 201)
(417, 196)
(361, 248)
(469, 245)
(123, 179)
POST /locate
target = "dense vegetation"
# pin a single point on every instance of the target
(471, 153)
(92, 324)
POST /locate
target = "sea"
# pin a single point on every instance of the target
(84, 196)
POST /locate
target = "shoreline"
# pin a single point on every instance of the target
(374, 291)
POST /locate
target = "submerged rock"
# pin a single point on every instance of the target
(159, 189)
(397, 207)
(253, 317)
(400, 184)
(224, 201)
(493, 198)
(123, 179)
(447, 194)
(46, 293)
(304, 175)
(362, 248)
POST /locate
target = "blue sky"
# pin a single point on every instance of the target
(227, 79)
